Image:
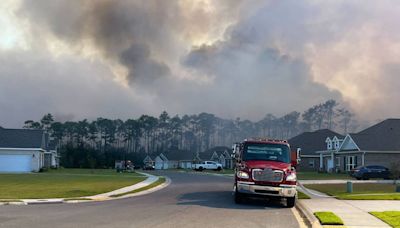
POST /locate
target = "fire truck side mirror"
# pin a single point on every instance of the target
(295, 160)
(298, 155)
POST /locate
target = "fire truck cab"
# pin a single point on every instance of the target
(265, 168)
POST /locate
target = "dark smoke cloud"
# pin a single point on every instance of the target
(129, 31)
(142, 67)
(256, 61)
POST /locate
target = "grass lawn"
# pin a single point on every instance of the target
(302, 195)
(160, 180)
(64, 183)
(322, 176)
(390, 217)
(328, 218)
(360, 191)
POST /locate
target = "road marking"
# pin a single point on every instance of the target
(299, 219)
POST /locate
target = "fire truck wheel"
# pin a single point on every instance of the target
(239, 198)
(290, 202)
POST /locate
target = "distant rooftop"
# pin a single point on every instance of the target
(311, 142)
(21, 138)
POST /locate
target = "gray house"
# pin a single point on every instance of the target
(376, 145)
(218, 154)
(22, 150)
(173, 160)
(310, 143)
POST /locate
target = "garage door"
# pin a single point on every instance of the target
(15, 163)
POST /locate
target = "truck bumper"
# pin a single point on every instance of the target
(253, 189)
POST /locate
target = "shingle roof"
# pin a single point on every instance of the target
(384, 136)
(206, 155)
(21, 138)
(180, 155)
(311, 142)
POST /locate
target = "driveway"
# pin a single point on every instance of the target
(191, 200)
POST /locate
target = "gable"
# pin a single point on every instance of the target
(147, 159)
(348, 144)
(311, 142)
(214, 156)
(163, 157)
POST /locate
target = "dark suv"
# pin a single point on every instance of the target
(370, 171)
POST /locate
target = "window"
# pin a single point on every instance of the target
(329, 145)
(337, 145)
(266, 152)
(311, 163)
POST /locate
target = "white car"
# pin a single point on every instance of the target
(209, 165)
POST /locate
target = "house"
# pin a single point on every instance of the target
(180, 159)
(173, 160)
(218, 154)
(148, 161)
(310, 143)
(22, 150)
(51, 157)
(376, 145)
(161, 162)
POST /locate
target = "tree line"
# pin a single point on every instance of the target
(100, 142)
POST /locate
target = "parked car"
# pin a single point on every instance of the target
(370, 171)
(210, 165)
(148, 167)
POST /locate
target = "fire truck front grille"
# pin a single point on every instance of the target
(267, 175)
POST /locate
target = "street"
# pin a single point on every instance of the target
(191, 200)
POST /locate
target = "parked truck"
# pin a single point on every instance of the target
(265, 168)
(207, 165)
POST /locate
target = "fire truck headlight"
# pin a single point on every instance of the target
(291, 177)
(242, 175)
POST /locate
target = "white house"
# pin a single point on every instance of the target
(22, 150)
(161, 162)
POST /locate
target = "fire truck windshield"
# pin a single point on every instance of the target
(266, 152)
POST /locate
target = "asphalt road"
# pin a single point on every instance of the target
(191, 200)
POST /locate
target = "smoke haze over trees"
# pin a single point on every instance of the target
(118, 59)
(98, 143)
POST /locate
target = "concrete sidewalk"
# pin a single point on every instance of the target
(345, 181)
(150, 179)
(353, 214)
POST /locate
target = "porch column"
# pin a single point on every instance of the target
(363, 159)
(321, 161)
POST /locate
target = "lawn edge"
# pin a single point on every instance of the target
(339, 223)
(85, 199)
(308, 215)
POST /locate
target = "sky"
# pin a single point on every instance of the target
(121, 59)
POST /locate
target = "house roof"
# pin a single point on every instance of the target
(311, 142)
(178, 155)
(206, 155)
(384, 136)
(21, 138)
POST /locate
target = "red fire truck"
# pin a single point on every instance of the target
(265, 168)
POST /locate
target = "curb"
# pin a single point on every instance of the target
(307, 214)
